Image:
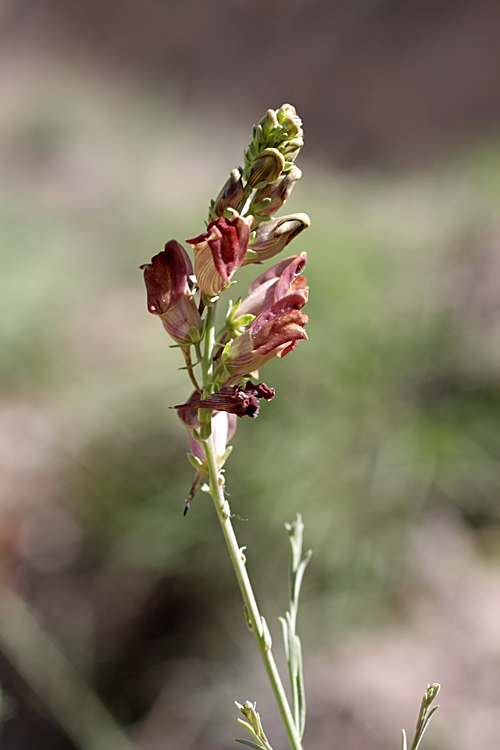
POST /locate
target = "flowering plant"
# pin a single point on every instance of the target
(222, 364)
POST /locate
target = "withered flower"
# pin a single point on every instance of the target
(223, 429)
(169, 293)
(240, 400)
(220, 251)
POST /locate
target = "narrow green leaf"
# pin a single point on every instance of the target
(250, 744)
(405, 745)
(249, 729)
(301, 694)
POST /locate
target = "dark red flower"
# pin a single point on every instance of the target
(275, 332)
(220, 251)
(169, 293)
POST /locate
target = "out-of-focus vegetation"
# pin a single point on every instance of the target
(388, 416)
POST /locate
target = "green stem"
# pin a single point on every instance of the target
(208, 352)
(254, 616)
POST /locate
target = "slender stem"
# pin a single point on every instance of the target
(209, 345)
(189, 365)
(254, 616)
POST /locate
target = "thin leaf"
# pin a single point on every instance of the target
(251, 731)
(405, 745)
(250, 744)
(285, 636)
(301, 695)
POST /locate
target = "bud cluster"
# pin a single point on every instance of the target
(269, 321)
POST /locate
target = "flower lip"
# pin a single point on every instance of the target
(294, 301)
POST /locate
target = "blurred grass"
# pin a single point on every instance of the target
(387, 414)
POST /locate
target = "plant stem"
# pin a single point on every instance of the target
(254, 616)
(209, 346)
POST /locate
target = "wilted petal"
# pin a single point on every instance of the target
(239, 400)
(223, 429)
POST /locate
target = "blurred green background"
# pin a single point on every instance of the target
(119, 122)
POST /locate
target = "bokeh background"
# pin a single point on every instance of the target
(120, 622)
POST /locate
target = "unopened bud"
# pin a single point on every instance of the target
(230, 195)
(268, 122)
(270, 238)
(277, 194)
(291, 149)
(266, 168)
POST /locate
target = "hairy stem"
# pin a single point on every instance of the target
(254, 616)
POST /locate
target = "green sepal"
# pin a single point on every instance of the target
(197, 435)
(251, 254)
(222, 460)
(256, 207)
(195, 335)
(195, 461)
(232, 310)
(245, 320)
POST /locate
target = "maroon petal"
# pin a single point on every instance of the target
(285, 328)
(165, 278)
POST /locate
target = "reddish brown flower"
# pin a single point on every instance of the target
(275, 332)
(277, 282)
(220, 251)
(169, 293)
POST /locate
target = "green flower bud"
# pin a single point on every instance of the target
(265, 168)
(288, 118)
(268, 122)
(291, 149)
